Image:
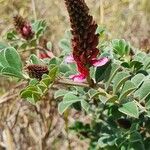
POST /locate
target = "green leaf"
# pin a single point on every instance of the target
(13, 58)
(3, 61)
(35, 60)
(60, 93)
(100, 30)
(39, 27)
(128, 88)
(101, 72)
(121, 47)
(112, 99)
(42, 87)
(136, 146)
(49, 45)
(70, 98)
(40, 32)
(31, 96)
(23, 45)
(93, 93)
(64, 44)
(144, 90)
(55, 61)
(64, 68)
(26, 94)
(1, 68)
(146, 63)
(114, 69)
(33, 82)
(62, 107)
(130, 109)
(12, 72)
(138, 79)
(85, 105)
(53, 73)
(11, 35)
(139, 56)
(46, 81)
(136, 64)
(135, 137)
(148, 104)
(119, 79)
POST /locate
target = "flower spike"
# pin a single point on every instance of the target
(85, 39)
(23, 27)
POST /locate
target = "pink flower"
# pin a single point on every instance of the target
(84, 72)
(69, 59)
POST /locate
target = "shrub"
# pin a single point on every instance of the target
(115, 93)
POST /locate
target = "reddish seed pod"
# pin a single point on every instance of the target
(36, 71)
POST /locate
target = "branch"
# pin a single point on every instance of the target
(39, 48)
(69, 82)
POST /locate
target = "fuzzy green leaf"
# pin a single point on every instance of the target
(60, 93)
(113, 72)
(35, 60)
(64, 44)
(128, 88)
(62, 107)
(3, 61)
(119, 79)
(49, 45)
(121, 47)
(102, 72)
(10, 71)
(138, 79)
(85, 105)
(13, 58)
(70, 98)
(130, 109)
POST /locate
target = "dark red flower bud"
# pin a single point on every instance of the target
(23, 27)
(36, 71)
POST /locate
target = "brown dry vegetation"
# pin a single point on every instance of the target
(27, 127)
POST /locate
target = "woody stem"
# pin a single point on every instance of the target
(90, 81)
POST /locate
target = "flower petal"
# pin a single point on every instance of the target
(69, 59)
(78, 78)
(100, 62)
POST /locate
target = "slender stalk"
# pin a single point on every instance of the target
(101, 10)
(69, 82)
(34, 10)
(66, 114)
(39, 48)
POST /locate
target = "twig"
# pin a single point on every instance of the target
(69, 82)
(39, 48)
(4, 98)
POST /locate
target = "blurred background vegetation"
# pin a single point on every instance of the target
(128, 19)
